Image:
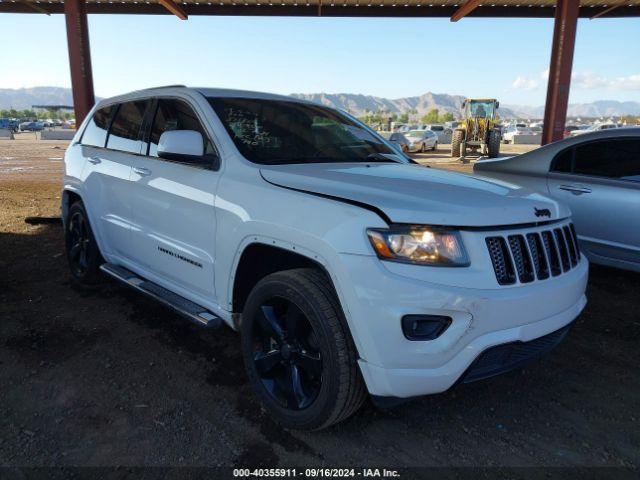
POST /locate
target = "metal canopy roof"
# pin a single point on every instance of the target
(330, 8)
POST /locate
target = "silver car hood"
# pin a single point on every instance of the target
(408, 193)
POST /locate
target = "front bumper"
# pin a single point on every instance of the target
(392, 366)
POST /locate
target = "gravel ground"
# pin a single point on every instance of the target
(108, 378)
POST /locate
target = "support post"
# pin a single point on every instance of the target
(79, 58)
(564, 39)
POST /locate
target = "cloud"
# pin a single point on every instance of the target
(580, 80)
(588, 80)
(524, 83)
(632, 82)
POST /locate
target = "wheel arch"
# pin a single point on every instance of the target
(69, 197)
(259, 258)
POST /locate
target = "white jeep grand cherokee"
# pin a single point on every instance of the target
(346, 267)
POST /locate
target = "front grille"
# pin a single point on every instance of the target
(533, 255)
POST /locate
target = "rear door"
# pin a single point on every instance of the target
(107, 172)
(174, 232)
(600, 181)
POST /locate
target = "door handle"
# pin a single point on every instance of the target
(575, 189)
(94, 160)
(143, 172)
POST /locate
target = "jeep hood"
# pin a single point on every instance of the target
(408, 193)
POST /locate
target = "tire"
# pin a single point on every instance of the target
(82, 251)
(435, 146)
(493, 144)
(456, 143)
(329, 391)
(423, 148)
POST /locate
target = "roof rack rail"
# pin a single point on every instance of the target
(161, 86)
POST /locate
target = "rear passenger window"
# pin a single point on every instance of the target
(95, 133)
(616, 158)
(125, 133)
(176, 115)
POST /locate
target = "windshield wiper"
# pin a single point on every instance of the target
(379, 157)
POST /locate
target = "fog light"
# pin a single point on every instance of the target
(424, 327)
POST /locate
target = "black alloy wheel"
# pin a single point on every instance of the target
(286, 354)
(79, 239)
(298, 352)
(82, 250)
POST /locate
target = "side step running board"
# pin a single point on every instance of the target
(187, 308)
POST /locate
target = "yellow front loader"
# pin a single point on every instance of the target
(478, 128)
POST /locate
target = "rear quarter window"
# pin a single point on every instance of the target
(95, 134)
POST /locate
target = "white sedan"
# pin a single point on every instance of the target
(422, 140)
(515, 130)
(598, 175)
(594, 128)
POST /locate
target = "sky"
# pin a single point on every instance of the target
(503, 58)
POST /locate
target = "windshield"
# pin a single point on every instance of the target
(437, 128)
(481, 109)
(278, 132)
(415, 133)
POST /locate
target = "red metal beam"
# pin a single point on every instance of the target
(174, 8)
(79, 58)
(465, 9)
(373, 10)
(564, 39)
(36, 7)
(607, 10)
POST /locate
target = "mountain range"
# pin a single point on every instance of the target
(356, 104)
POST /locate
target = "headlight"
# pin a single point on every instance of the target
(419, 244)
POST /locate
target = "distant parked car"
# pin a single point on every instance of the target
(514, 131)
(9, 124)
(32, 126)
(439, 130)
(598, 176)
(398, 139)
(570, 128)
(422, 140)
(595, 128)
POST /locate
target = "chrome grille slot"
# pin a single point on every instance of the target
(530, 256)
(521, 258)
(537, 255)
(501, 260)
(575, 240)
(562, 247)
(552, 253)
(572, 249)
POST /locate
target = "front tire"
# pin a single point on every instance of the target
(456, 143)
(81, 248)
(298, 352)
(493, 145)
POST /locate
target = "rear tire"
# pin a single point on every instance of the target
(435, 146)
(293, 319)
(423, 148)
(456, 143)
(83, 254)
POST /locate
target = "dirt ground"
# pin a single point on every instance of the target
(109, 378)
